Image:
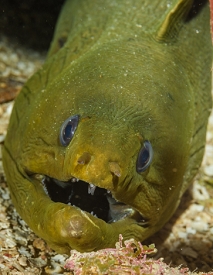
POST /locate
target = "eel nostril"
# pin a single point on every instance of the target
(115, 168)
(84, 158)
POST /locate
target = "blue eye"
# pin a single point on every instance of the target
(144, 157)
(68, 129)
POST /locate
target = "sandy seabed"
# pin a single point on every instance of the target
(187, 239)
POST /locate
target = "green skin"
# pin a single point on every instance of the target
(133, 71)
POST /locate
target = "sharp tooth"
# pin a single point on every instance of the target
(44, 186)
(92, 213)
(74, 179)
(91, 189)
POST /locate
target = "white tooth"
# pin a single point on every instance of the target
(92, 213)
(44, 186)
(74, 180)
(91, 189)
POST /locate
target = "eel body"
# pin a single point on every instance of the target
(105, 138)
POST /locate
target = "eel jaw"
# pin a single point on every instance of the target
(90, 198)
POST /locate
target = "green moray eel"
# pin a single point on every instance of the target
(105, 138)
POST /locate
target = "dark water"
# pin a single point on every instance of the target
(31, 22)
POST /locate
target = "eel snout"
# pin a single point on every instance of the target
(113, 166)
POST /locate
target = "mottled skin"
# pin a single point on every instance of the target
(134, 71)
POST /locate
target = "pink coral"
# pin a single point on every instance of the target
(130, 259)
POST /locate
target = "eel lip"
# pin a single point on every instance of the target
(88, 197)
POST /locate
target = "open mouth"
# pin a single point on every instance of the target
(95, 200)
(90, 198)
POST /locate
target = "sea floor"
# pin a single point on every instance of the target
(186, 240)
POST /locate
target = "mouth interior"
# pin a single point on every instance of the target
(90, 198)
(75, 192)
(95, 200)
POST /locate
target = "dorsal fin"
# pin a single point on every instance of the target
(62, 30)
(174, 20)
